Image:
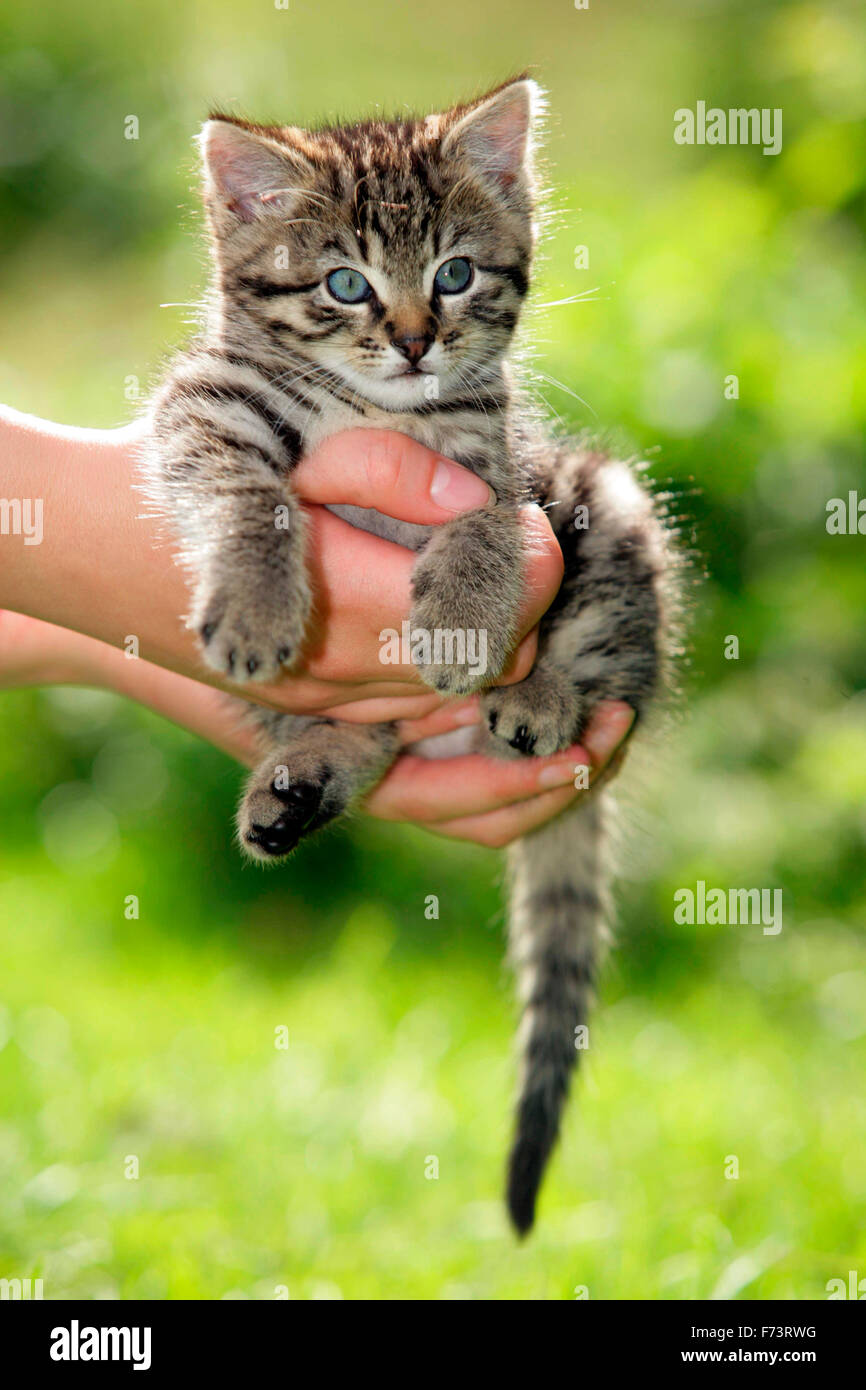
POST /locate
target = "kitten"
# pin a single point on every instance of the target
(373, 275)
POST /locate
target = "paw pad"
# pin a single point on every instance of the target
(524, 741)
(302, 802)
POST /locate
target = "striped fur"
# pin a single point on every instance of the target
(281, 364)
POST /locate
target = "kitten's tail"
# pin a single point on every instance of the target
(557, 926)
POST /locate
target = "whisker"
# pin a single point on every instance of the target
(584, 297)
(560, 386)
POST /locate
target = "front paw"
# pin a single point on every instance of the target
(455, 657)
(251, 628)
(460, 640)
(539, 716)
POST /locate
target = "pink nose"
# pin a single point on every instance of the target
(412, 346)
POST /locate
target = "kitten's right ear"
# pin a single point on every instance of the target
(248, 173)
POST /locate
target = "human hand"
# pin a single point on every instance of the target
(365, 582)
(490, 801)
(105, 570)
(484, 800)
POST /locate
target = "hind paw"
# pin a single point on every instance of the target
(537, 717)
(279, 810)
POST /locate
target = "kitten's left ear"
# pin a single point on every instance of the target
(496, 135)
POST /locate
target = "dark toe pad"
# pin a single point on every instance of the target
(303, 813)
(523, 740)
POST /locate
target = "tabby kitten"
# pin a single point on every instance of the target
(373, 275)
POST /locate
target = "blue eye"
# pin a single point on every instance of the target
(454, 275)
(349, 286)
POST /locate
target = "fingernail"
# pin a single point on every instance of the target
(557, 775)
(609, 727)
(456, 489)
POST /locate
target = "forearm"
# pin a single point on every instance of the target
(91, 520)
(38, 653)
(205, 711)
(102, 566)
(473, 798)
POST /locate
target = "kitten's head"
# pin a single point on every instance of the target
(395, 255)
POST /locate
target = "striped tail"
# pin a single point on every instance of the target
(557, 927)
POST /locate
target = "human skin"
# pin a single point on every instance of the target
(104, 572)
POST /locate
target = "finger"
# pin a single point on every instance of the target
(603, 741)
(391, 472)
(363, 589)
(521, 661)
(300, 695)
(609, 771)
(499, 828)
(385, 710)
(543, 566)
(457, 714)
(543, 569)
(609, 726)
(421, 789)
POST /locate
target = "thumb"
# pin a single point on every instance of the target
(392, 473)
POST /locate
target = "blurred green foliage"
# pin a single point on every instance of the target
(155, 1037)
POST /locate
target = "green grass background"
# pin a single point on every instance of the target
(305, 1167)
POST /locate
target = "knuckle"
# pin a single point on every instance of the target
(544, 556)
(524, 662)
(383, 461)
(551, 565)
